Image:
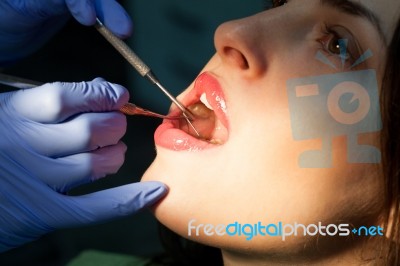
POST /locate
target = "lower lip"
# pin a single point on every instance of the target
(169, 136)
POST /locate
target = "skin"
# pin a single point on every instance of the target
(255, 175)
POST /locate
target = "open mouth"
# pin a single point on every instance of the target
(206, 102)
(207, 124)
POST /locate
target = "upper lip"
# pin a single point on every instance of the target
(207, 83)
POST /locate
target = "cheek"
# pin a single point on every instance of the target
(262, 128)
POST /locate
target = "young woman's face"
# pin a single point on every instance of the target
(282, 84)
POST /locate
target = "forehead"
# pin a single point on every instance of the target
(387, 11)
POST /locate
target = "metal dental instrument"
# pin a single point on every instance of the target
(17, 82)
(128, 109)
(133, 109)
(142, 68)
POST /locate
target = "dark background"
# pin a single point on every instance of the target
(175, 38)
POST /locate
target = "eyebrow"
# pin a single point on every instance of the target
(356, 9)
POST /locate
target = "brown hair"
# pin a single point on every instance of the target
(390, 141)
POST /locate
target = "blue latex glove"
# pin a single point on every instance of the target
(55, 137)
(25, 25)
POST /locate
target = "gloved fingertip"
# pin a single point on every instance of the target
(83, 11)
(134, 197)
(156, 190)
(123, 29)
(99, 79)
(123, 96)
(114, 17)
(115, 202)
(114, 95)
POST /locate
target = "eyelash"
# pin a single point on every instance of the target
(329, 36)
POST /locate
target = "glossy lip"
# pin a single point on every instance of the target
(168, 134)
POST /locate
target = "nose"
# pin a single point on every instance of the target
(239, 45)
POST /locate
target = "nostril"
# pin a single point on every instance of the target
(236, 57)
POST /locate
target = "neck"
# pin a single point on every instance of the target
(363, 254)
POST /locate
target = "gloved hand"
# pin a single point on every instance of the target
(53, 138)
(25, 25)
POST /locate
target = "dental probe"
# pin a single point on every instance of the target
(128, 108)
(17, 82)
(142, 68)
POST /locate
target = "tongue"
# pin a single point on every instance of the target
(204, 121)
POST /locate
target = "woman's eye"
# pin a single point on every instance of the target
(335, 45)
(339, 42)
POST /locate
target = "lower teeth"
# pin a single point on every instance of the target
(215, 141)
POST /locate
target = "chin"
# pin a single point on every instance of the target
(170, 209)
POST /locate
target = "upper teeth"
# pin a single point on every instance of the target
(203, 99)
